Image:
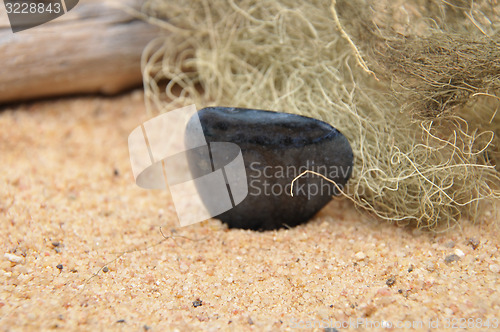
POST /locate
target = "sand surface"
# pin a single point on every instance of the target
(70, 210)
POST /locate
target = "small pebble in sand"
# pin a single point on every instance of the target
(391, 281)
(60, 266)
(105, 269)
(383, 292)
(448, 312)
(430, 266)
(197, 303)
(495, 268)
(459, 253)
(451, 258)
(473, 242)
(450, 244)
(56, 244)
(183, 268)
(360, 256)
(13, 258)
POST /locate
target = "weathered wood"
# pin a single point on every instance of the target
(94, 48)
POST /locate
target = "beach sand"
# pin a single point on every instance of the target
(84, 248)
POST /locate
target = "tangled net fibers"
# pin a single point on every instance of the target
(413, 85)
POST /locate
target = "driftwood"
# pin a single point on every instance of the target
(94, 48)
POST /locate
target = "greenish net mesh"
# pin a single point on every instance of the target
(412, 85)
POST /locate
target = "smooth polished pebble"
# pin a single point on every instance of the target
(276, 148)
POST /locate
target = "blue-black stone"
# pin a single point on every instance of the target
(277, 147)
